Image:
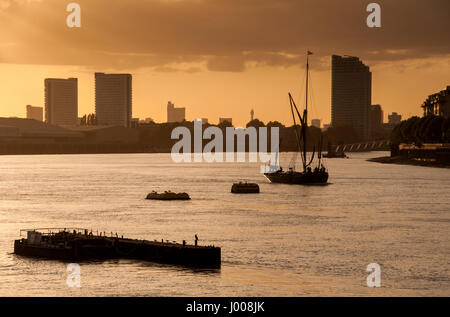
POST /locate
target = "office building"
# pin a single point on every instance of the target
(351, 95)
(316, 123)
(35, 113)
(394, 119)
(134, 122)
(376, 120)
(113, 99)
(175, 114)
(438, 104)
(61, 101)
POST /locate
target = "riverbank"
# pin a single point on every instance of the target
(405, 161)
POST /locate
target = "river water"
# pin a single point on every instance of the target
(286, 241)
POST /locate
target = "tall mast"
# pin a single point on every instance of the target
(307, 77)
(305, 113)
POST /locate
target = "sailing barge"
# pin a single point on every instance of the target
(77, 244)
(308, 176)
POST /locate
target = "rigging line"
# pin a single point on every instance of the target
(293, 160)
(293, 105)
(314, 112)
(312, 97)
(312, 157)
(319, 153)
(302, 147)
(301, 118)
(295, 123)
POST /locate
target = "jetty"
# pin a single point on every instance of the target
(78, 244)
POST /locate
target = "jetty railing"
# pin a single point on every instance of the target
(49, 231)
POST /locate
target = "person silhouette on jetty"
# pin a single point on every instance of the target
(196, 239)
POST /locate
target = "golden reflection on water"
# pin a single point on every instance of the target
(286, 241)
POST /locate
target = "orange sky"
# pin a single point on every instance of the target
(222, 58)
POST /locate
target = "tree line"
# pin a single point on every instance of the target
(415, 130)
(157, 135)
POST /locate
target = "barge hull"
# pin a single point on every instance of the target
(114, 248)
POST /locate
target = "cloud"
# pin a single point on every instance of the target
(222, 35)
(226, 63)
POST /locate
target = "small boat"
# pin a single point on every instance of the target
(168, 195)
(245, 188)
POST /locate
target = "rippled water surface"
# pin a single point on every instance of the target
(286, 241)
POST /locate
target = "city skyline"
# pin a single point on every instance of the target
(323, 112)
(242, 120)
(241, 59)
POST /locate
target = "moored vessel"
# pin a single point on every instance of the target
(245, 188)
(77, 244)
(168, 195)
(309, 175)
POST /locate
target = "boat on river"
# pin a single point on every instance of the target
(309, 175)
(168, 195)
(245, 188)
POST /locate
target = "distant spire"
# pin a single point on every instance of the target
(252, 113)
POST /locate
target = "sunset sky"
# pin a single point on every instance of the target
(221, 58)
